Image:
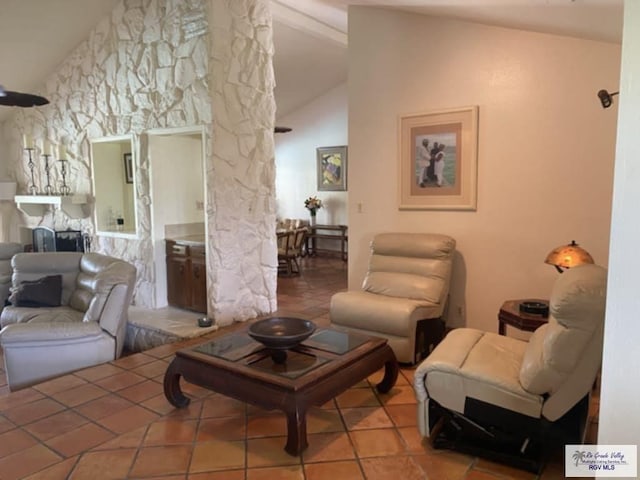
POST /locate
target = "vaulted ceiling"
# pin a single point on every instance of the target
(309, 35)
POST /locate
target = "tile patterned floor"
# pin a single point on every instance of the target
(113, 422)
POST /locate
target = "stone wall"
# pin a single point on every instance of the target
(241, 198)
(148, 65)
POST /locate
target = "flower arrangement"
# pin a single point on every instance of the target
(312, 204)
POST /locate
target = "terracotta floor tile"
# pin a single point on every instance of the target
(375, 443)
(58, 471)
(384, 468)
(141, 391)
(26, 462)
(403, 415)
(293, 472)
(104, 465)
(170, 432)
(366, 418)
(221, 406)
(152, 369)
(266, 425)
(325, 447)
(79, 395)
(357, 397)
(193, 410)
(413, 440)
(225, 475)
(218, 455)
(321, 420)
(168, 460)
(132, 439)
(79, 439)
(13, 441)
(128, 419)
(223, 428)
(161, 405)
(103, 406)
(119, 381)
(19, 398)
(101, 371)
(268, 452)
(133, 361)
(5, 424)
(55, 425)
(345, 470)
(480, 475)
(59, 384)
(444, 465)
(33, 411)
(399, 395)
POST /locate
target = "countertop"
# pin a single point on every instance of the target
(191, 240)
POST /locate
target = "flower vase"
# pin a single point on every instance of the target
(313, 218)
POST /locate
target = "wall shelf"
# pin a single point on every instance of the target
(75, 206)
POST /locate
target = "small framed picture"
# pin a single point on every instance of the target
(128, 168)
(332, 168)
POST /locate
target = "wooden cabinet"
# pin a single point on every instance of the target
(186, 276)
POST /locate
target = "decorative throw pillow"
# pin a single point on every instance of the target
(44, 292)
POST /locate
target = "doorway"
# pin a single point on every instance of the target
(178, 200)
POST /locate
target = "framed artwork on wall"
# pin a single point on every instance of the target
(332, 168)
(438, 159)
(128, 168)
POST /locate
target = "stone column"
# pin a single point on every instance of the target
(241, 213)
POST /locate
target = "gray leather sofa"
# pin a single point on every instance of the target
(87, 328)
(7, 251)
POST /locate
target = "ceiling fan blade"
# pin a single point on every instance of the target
(282, 129)
(17, 99)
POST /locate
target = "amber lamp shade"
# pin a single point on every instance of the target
(567, 256)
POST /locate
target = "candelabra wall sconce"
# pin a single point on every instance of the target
(49, 159)
(30, 146)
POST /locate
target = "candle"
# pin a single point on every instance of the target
(46, 147)
(27, 141)
(62, 152)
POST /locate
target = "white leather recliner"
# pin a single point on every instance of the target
(504, 398)
(87, 328)
(404, 293)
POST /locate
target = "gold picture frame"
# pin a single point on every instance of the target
(438, 159)
(332, 168)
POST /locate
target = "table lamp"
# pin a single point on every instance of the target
(567, 256)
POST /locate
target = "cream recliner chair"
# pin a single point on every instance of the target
(86, 328)
(404, 294)
(503, 398)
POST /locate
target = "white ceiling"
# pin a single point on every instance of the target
(309, 35)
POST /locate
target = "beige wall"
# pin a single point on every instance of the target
(619, 416)
(545, 147)
(320, 123)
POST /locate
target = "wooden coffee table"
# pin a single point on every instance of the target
(323, 366)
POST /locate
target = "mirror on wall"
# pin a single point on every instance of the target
(113, 176)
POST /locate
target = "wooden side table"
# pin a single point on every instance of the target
(510, 314)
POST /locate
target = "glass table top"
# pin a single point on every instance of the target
(235, 347)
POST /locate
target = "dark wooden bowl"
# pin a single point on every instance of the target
(281, 333)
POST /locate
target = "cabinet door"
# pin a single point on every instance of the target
(198, 282)
(178, 280)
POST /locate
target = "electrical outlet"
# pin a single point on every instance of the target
(360, 207)
(460, 311)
